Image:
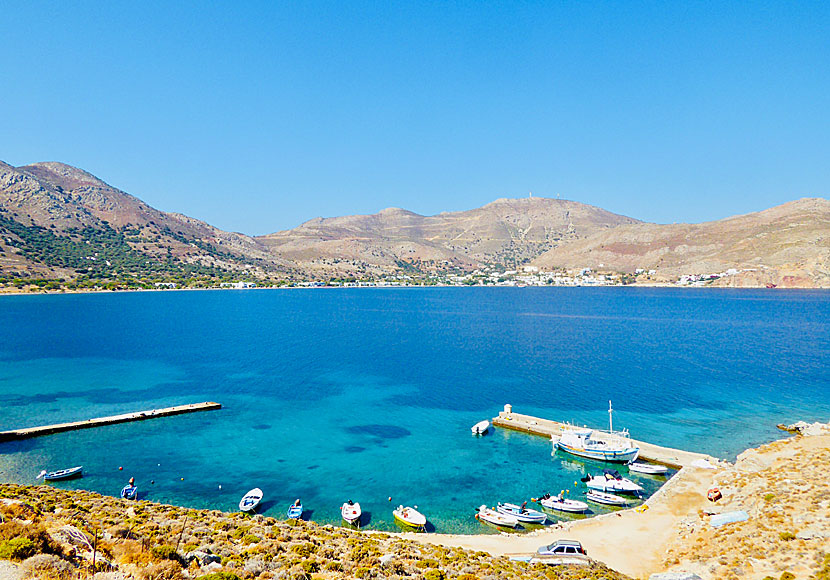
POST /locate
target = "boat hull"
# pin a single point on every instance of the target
(63, 474)
(480, 428)
(622, 456)
(606, 499)
(295, 512)
(410, 518)
(648, 469)
(129, 492)
(495, 518)
(250, 500)
(569, 505)
(350, 513)
(528, 516)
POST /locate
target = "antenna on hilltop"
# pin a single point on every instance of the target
(530, 194)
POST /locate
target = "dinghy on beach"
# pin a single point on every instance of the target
(61, 473)
(250, 500)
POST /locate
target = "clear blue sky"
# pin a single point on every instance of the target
(258, 116)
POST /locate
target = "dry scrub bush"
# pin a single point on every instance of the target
(47, 567)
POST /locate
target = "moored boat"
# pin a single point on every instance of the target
(560, 503)
(648, 468)
(129, 491)
(496, 518)
(606, 446)
(409, 517)
(522, 513)
(605, 498)
(480, 428)
(350, 511)
(62, 473)
(250, 500)
(611, 482)
(295, 510)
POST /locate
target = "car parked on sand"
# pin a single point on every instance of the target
(562, 548)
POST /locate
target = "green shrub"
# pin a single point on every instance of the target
(219, 576)
(787, 576)
(434, 574)
(17, 549)
(250, 539)
(786, 536)
(166, 552)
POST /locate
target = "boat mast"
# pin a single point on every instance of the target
(610, 419)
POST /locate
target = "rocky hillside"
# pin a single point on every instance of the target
(53, 535)
(787, 245)
(60, 221)
(507, 232)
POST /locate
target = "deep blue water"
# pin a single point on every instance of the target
(370, 393)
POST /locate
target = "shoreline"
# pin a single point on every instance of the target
(666, 532)
(8, 292)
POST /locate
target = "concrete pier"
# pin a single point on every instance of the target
(28, 432)
(674, 458)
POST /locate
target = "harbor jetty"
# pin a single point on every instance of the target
(29, 432)
(673, 458)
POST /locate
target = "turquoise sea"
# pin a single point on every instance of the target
(331, 394)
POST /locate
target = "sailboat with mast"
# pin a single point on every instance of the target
(595, 444)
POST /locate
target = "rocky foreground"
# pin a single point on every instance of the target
(54, 534)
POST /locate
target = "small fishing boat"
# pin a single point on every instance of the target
(648, 468)
(295, 510)
(608, 446)
(611, 481)
(129, 491)
(250, 500)
(480, 428)
(559, 503)
(351, 512)
(61, 473)
(410, 517)
(606, 498)
(496, 518)
(521, 513)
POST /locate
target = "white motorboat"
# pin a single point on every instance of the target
(559, 503)
(351, 512)
(606, 498)
(250, 500)
(611, 481)
(409, 517)
(600, 445)
(480, 428)
(522, 513)
(492, 516)
(648, 468)
(62, 473)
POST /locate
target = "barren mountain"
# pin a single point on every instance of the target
(48, 209)
(506, 232)
(787, 245)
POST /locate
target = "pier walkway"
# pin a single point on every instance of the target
(674, 458)
(101, 421)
